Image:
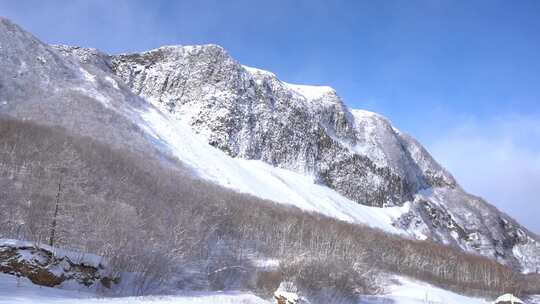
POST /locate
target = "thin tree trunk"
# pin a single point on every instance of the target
(57, 205)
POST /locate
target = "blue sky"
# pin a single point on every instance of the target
(462, 76)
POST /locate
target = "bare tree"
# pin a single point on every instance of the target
(55, 214)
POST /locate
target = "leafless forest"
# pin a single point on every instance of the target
(155, 221)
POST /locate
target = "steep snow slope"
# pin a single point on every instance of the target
(37, 84)
(260, 179)
(252, 116)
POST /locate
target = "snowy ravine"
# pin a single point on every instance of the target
(245, 129)
(403, 291)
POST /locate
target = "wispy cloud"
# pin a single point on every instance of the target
(498, 159)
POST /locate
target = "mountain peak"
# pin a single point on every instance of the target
(312, 92)
(250, 114)
(259, 72)
(5, 23)
(187, 48)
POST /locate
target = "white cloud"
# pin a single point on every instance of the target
(498, 159)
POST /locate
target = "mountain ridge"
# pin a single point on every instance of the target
(256, 118)
(217, 92)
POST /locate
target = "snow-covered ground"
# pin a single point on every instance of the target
(406, 292)
(22, 291)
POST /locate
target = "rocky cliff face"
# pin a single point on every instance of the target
(251, 114)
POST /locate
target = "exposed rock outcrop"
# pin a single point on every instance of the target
(44, 265)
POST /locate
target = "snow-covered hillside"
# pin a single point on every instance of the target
(302, 145)
(261, 179)
(245, 129)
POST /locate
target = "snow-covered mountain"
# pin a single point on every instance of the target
(250, 114)
(245, 129)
